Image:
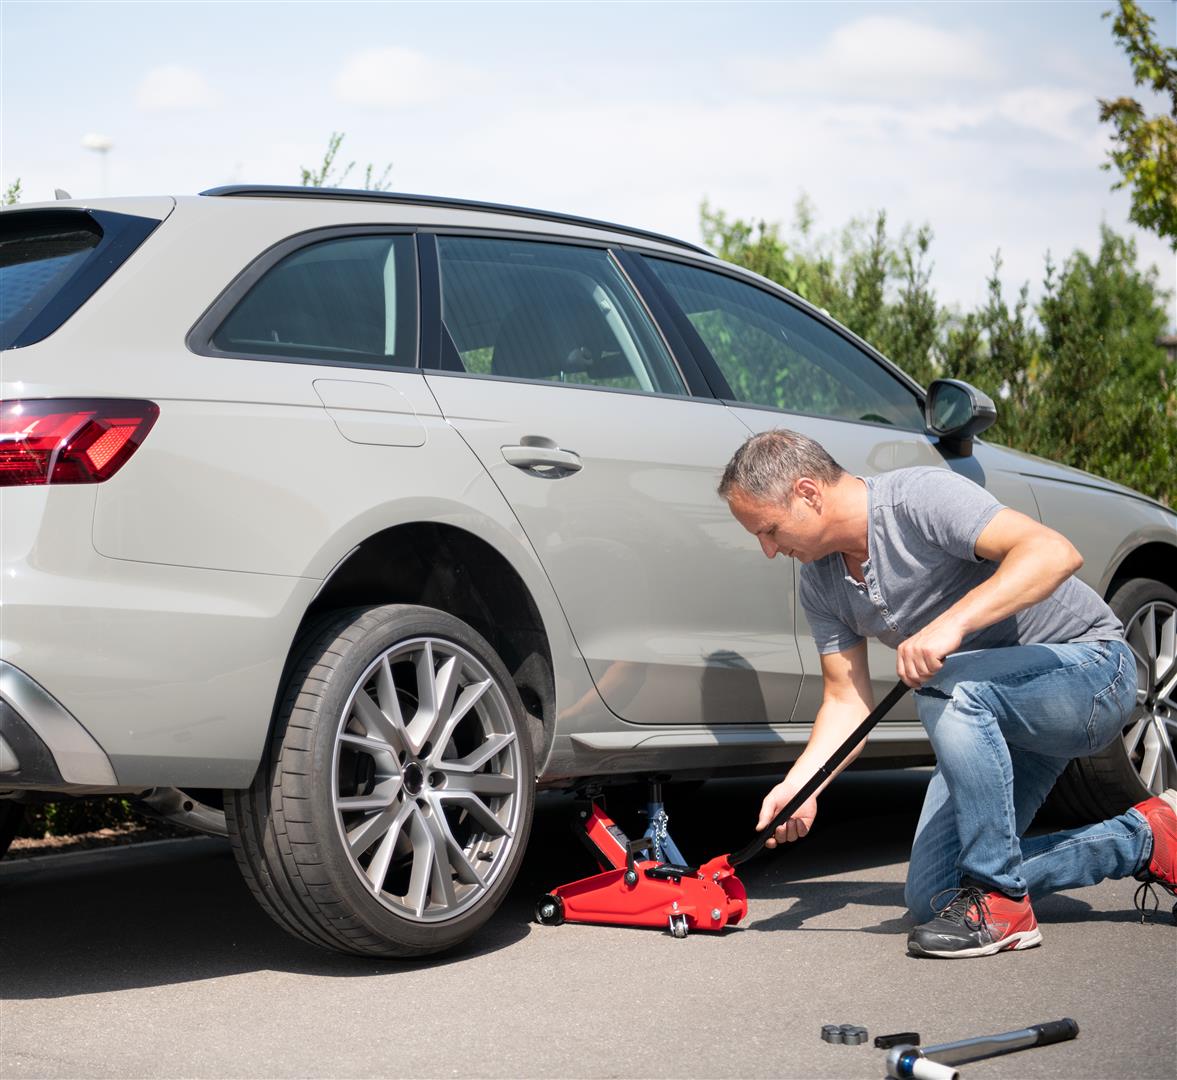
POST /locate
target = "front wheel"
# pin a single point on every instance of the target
(390, 813)
(1142, 762)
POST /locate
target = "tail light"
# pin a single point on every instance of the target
(69, 440)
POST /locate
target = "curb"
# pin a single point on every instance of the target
(120, 854)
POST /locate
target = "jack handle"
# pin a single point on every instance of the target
(818, 778)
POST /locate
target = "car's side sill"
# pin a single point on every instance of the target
(683, 738)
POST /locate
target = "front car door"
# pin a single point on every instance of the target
(780, 365)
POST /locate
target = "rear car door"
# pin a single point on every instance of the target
(550, 367)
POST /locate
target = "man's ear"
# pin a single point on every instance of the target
(809, 491)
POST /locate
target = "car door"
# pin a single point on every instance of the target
(780, 365)
(554, 373)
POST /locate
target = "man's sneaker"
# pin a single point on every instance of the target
(1161, 814)
(972, 922)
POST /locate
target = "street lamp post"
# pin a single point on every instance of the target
(101, 145)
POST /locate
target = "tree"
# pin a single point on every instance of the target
(11, 193)
(1105, 400)
(1145, 148)
(321, 177)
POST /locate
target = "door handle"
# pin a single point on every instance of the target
(539, 457)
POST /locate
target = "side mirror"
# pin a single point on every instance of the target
(955, 412)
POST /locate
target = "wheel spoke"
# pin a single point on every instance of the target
(441, 874)
(475, 760)
(1135, 733)
(1146, 631)
(426, 715)
(364, 835)
(1166, 687)
(378, 868)
(376, 722)
(466, 701)
(477, 809)
(368, 743)
(423, 844)
(382, 796)
(1168, 770)
(481, 783)
(1152, 763)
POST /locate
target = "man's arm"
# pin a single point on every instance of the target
(1034, 561)
(846, 701)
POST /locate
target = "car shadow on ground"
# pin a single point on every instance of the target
(177, 912)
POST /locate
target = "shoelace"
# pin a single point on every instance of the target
(1144, 893)
(958, 905)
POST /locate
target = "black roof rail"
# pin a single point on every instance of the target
(289, 191)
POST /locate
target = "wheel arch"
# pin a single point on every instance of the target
(1156, 560)
(446, 567)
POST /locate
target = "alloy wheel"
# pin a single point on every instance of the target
(1152, 731)
(427, 775)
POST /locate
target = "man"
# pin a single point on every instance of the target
(1017, 667)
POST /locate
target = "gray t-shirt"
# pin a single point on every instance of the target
(921, 539)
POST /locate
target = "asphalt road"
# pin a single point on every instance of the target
(155, 962)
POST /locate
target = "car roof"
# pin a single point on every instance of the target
(363, 195)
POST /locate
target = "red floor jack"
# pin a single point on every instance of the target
(637, 891)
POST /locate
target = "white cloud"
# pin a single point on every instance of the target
(880, 56)
(392, 78)
(174, 86)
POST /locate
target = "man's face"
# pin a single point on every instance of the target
(791, 527)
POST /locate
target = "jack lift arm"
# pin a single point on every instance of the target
(649, 891)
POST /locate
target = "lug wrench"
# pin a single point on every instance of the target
(936, 1062)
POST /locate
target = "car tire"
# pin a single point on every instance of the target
(391, 809)
(12, 816)
(1142, 763)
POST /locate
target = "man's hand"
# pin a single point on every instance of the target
(795, 827)
(922, 654)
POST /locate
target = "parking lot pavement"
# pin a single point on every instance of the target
(156, 962)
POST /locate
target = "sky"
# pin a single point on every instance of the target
(976, 119)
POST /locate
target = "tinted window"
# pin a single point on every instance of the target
(52, 261)
(551, 313)
(773, 353)
(352, 300)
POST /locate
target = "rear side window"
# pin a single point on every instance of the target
(548, 312)
(52, 261)
(350, 300)
(777, 355)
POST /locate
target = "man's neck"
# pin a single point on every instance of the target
(849, 506)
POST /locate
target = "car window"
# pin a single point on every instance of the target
(773, 353)
(52, 261)
(550, 313)
(351, 300)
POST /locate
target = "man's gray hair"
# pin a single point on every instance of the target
(768, 464)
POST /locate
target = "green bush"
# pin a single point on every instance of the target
(67, 817)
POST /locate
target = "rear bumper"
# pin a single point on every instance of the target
(42, 745)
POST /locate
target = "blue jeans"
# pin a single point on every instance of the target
(1004, 723)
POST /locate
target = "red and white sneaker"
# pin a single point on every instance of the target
(972, 922)
(1161, 814)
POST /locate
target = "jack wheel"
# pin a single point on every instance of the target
(549, 911)
(678, 926)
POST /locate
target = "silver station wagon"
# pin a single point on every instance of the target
(342, 521)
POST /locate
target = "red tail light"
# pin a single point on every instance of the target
(69, 440)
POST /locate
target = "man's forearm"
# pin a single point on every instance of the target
(834, 723)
